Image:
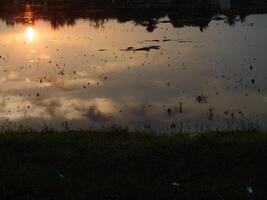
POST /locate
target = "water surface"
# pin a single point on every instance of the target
(154, 72)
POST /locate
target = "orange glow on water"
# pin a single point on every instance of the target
(30, 34)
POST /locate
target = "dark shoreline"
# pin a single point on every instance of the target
(116, 164)
(142, 12)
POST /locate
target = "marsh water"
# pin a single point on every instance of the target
(146, 66)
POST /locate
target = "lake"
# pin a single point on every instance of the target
(165, 65)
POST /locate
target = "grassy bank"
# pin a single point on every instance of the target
(121, 165)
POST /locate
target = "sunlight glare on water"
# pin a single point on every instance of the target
(30, 34)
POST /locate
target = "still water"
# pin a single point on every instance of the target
(97, 73)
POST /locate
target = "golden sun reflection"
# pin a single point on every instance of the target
(30, 34)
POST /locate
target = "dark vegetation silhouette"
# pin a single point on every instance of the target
(117, 164)
(143, 12)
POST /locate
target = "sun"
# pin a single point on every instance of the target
(30, 34)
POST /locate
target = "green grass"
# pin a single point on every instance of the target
(116, 164)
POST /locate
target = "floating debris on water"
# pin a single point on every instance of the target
(142, 48)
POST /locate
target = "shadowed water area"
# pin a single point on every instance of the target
(166, 64)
